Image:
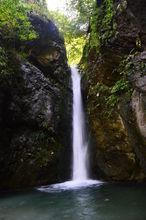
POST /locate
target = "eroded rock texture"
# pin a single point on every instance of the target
(35, 113)
(114, 63)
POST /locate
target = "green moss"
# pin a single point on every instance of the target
(8, 63)
(99, 87)
(102, 24)
(105, 99)
(121, 87)
(110, 94)
(132, 64)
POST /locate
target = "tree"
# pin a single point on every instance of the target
(38, 6)
(74, 25)
(73, 35)
(14, 22)
(82, 9)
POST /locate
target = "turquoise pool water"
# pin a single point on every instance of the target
(104, 202)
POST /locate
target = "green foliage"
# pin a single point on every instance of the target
(111, 102)
(120, 86)
(107, 22)
(75, 49)
(131, 64)
(37, 6)
(102, 24)
(74, 36)
(94, 36)
(66, 26)
(14, 23)
(73, 25)
(108, 97)
(127, 67)
(99, 87)
(5, 64)
(81, 10)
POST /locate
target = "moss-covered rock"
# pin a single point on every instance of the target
(114, 67)
(35, 110)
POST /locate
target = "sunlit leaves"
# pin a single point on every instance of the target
(75, 49)
(14, 22)
(83, 8)
(74, 36)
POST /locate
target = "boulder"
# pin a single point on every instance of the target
(35, 113)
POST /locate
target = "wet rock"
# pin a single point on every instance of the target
(115, 84)
(35, 113)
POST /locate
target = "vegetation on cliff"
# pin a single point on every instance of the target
(34, 79)
(16, 28)
(114, 65)
(14, 22)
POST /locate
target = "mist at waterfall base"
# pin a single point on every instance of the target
(80, 166)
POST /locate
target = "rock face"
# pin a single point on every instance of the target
(35, 113)
(114, 63)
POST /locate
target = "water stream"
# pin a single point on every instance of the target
(80, 145)
(80, 171)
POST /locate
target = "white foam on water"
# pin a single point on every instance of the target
(70, 185)
(80, 171)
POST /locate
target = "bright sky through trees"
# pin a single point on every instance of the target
(72, 19)
(56, 5)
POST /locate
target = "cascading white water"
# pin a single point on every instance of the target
(80, 146)
(80, 175)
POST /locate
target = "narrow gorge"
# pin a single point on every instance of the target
(36, 100)
(72, 110)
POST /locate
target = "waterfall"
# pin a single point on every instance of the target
(80, 175)
(80, 145)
